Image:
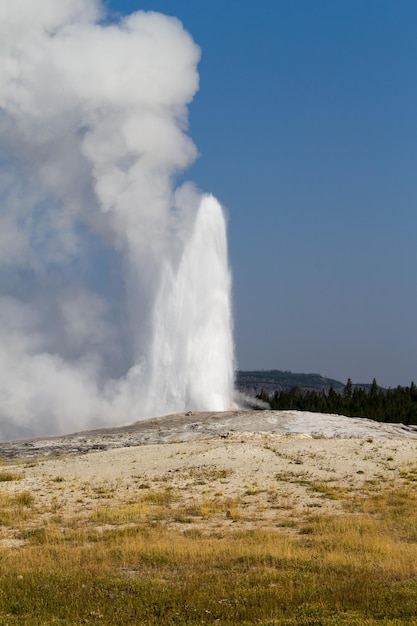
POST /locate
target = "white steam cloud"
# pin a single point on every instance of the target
(114, 285)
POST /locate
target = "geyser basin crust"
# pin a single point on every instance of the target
(198, 426)
(265, 473)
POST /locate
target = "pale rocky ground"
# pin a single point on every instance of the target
(207, 471)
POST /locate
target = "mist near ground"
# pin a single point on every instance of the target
(93, 131)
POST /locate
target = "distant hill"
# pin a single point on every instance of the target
(251, 383)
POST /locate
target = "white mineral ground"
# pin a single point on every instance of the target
(270, 462)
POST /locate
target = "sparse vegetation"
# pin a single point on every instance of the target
(154, 560)
(15, 508)
(290, 541)
(9, 476)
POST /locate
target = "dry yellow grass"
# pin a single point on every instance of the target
(200, 543)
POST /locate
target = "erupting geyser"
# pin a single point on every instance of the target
(192, 351)
(114, 286)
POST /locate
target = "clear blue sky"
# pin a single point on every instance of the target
(306, 126)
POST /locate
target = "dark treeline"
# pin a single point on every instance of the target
(384, 405)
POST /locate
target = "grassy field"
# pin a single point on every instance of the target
(157, 559)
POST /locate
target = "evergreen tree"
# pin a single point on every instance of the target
(399, 405)
(347, 391)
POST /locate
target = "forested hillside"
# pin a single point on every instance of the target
(384, 405)
(252, 382)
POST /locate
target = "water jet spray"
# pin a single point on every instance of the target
(114, 288)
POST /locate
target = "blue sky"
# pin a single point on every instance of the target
(306, 127)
